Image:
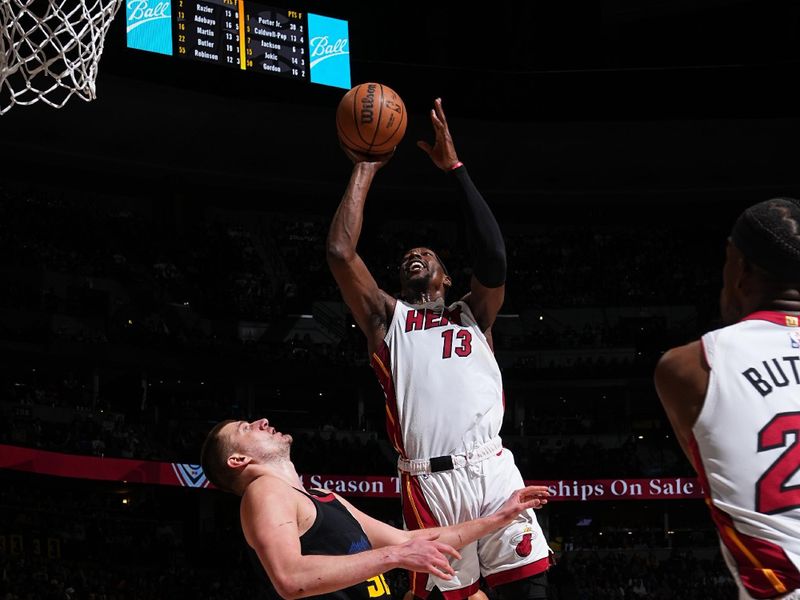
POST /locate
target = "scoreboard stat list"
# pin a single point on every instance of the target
(244, 35)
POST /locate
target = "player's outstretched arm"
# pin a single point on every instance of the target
(457, 536)
(372, 307)
(486, 246)
(269, 522)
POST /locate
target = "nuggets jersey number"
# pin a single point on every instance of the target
(747, 448)
(443, 387)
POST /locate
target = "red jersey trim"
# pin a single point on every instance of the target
(517, 573)
(461, 593)
(705, 356)
(416, 511)
(764, 569)
(325, 497)
(417, 515)
(379, 361)
(774, 316)
(418, 582)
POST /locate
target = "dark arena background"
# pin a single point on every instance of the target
(162, 252)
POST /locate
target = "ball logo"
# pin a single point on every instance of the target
(396, 109)
(367, 104)
(329, 51)
(149, 25)
(323, 49)
(141, 12)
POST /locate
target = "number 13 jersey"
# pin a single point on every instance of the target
(746, 447)
(444, 392)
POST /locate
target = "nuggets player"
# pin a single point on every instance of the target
(733, 398)
(444, 397)
(315, 544)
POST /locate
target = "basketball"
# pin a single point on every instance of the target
(371, 118)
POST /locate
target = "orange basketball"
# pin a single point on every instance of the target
(371, 118)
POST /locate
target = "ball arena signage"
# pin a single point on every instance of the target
(561, 490)
(32, 460)
(657, 488)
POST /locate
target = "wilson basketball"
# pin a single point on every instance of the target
(371, 118)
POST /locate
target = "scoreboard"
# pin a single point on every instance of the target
(244, 35)
(260, 38)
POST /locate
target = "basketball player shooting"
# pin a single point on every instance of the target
(444, 396)
(732, 398)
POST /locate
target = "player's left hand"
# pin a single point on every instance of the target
(443, 152)
(533, 496)
(425, 554)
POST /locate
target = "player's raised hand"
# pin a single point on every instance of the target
(533, 496)
(425, 555)
(443, 152)
(376, 160)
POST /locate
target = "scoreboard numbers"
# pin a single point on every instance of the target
(244, 35)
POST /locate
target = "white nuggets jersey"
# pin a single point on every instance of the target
(746, 447)
(444, 393)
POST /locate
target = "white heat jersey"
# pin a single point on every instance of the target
(444, 393)
(747, 449)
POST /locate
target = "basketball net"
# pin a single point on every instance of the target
(49, 49)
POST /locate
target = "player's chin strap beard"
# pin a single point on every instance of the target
(418, 288)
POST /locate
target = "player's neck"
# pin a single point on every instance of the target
(787, 306)
(282, 469)
(285, 470)
(783, 300)
(423, 297)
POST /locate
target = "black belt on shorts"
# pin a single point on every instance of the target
(421, 466)
(441, 463)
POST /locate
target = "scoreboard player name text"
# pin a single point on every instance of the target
(244, 35)
(206, 55)
(268, 33)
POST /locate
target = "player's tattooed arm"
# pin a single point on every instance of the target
(372, 307)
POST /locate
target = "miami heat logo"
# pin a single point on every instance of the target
(523, 542)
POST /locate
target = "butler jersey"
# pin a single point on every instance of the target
(443, 387)
(747, 449)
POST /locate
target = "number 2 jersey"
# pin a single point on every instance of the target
(444, 392)
(746, 446)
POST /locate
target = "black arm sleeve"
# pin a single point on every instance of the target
(486, 247)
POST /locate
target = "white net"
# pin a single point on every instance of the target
(50, 49)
